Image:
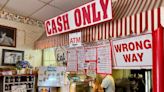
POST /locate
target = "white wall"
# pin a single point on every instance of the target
(26, 36)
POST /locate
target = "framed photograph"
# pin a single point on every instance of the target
(7, 36)
(11, 57)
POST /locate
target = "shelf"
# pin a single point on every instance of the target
(26, 89)
(19, 75)
(20, 82)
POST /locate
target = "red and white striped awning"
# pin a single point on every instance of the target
(129, 16)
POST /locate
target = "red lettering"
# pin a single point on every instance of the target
(54, 26)
(66, 22)
(77, 16)
(47, 27)
(127, 57)
(96, 16)
(59, 24)
(78, 39)
(139, 45)
(118, 48)
(124, 46)
(131, 46)
(147, 44)
(104, 7)
(140, 55)
(134, 58)
(86, 15)
(71, 41)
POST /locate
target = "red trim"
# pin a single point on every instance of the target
(112, 28)
(121, 27)
(102, 25)
(116, 28)
(152, 19)
(89, 34)
(131, 36)
(159, 17)
(140, 22)
(131, 31)
(85, 34)
(136, 66)
(126, 26)
(158, 58)
(146, 19)
(105, 25)
(135, 23)
(109, 29)
(98, 32)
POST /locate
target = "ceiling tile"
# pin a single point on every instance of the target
(2, 2)
(68, 4)
(24, 7)
(46, 13)
(46, 1)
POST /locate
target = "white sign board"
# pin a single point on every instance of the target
(75, 39)
(90, 54)
(89, 14)
(72, 60)
(51, 76)
(104, 61)
(133, 52)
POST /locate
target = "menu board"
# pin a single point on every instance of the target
(51, 76)
(104, 59)
(90, 54)
(81, 58)
(91, 65)
(72, 60)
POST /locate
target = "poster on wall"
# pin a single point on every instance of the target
(72, 60)
(81, 58)
(104, 60)
(51, 76)
(90, 54)
(133, 51)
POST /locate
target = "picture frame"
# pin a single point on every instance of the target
(7, 36)
(11, 57)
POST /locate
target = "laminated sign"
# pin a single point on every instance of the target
(134, 51)
(75, 39)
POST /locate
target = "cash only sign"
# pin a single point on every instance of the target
(89, 14)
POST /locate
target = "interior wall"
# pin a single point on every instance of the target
(26, 36)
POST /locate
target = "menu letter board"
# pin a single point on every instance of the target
(81, 58)
(104, 64)
(71, 60)
(90, 54)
